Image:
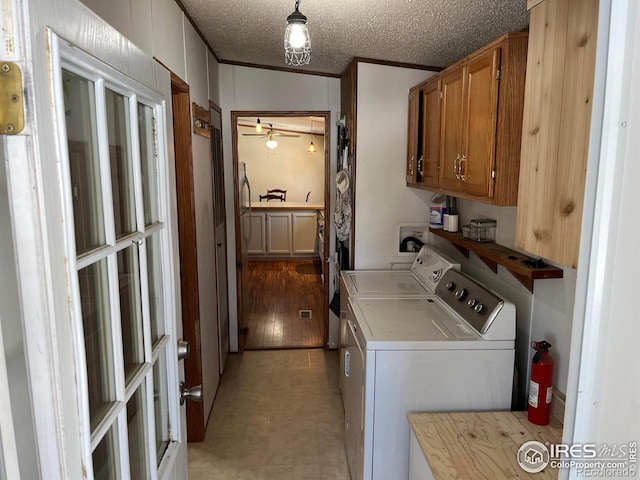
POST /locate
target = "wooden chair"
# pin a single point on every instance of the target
(274, 194)
(271, 196)
(282, 193)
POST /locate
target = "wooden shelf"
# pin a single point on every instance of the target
(493, 255)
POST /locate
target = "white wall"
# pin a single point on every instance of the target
(254, 89)
(620, 390)
(165, 33)
(545, 314)
(605, 366)
(289, 166)
(382, 197)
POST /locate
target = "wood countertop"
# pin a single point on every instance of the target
(276, 205)
(480, 445)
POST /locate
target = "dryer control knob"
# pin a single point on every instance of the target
(450, 286)
(460, 294)
(472, 302)
(479, 308)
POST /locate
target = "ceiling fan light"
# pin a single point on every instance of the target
(271, 143)
(297, 43)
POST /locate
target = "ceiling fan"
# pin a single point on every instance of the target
(270, 134)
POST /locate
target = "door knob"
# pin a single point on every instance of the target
(184, 349)
(193, 393)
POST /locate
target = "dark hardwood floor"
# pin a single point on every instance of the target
(277, 293)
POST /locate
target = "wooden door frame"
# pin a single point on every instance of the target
(181, 105)
(326, 114)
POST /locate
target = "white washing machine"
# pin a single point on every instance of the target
(426, 271)
(453, 351)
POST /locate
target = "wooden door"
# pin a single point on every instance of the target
(450, 128)
(411, 166)
(220, 234)
(480, 119)
(428, 167)
(188, 251)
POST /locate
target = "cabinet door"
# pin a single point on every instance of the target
(428, 166)
(451, 128)
(413, 134)
(556, 128)
(481, 113)
(279, 233)
(257, 241)
(353, 395)
(304, 232)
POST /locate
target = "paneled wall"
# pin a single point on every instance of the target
(382, 197)
(160, 28)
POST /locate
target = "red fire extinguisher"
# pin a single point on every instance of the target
(540, 389)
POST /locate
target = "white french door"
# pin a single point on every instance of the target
(114, 181)
(92, 208)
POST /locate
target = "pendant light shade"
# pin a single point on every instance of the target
(272, 143)
(297, 43)
(312, 147)
(258, 126)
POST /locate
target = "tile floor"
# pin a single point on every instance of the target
(278, 415)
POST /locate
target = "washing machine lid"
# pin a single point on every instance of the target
(383, 282)
(415, 324)
(428, 268)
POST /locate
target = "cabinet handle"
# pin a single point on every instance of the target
(411, 165)
(456, 167)
(421, 165)
(463, 170)
(347, 363)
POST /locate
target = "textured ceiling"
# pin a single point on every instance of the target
(426, 32)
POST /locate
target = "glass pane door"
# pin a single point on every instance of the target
(120, 269)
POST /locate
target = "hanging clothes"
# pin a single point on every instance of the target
(342, 215)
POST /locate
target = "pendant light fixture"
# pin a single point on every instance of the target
(312, 147)
(258, 126)
(297, 43)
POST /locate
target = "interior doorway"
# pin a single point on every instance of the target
(281, 195)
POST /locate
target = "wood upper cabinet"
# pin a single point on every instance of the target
(423, 134)
(428, 167)
(556, 127)
(451, 129)
(468, 136)
(413, 134)
(480, 123)
(481, 101)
